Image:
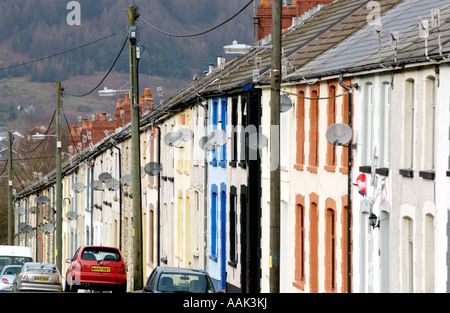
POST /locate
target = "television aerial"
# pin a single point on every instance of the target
(339, 134)
(215, 139)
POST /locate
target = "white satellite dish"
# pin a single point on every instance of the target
(112, 184)
(257, 141)
(186, 134)
(49, 228)
(126, 180)
(173, 139)
(216, 139)
(71, 215)
(78, 187)
(97, 185)
(152, 168)
(20, 210)
(339, 134)
(42, 200)
(104, 177)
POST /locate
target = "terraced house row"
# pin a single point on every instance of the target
(381, 67)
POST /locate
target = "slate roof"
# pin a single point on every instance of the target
(361, 51)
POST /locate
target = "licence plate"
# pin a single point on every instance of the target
(39, 278)
(100, 269)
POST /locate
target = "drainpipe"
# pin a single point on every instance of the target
(92, 202)
(349, 189)
(120, 197)
(158, 206)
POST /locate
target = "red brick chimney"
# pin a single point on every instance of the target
(289, 11)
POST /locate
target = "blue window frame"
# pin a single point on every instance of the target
(223, 119)
(214, 199)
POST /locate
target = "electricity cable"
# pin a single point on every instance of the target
(106, 75)
(196, 34)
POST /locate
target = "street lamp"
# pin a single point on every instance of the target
(39, 136)
(240, 48)
(109, 92)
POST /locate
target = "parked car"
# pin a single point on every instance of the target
(7, 276)
(36, 276)
(96, 268)
(179, 280)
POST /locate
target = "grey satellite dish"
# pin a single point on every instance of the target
(97, 185)
(34, 210)
(112, 184)
(339, 134)
(28, 229)
(257, 141)
(285, 103)
(42, 200)
(173, 139)
(71, 215)
(126, 180)
(22, 226)
(152, 168)
(20, 210)
(49, 228)
(78, 187)
(216, 139)
(104, 177)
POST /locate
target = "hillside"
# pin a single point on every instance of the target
(31, 30)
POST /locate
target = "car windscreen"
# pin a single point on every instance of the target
(181, 282)
(11, 270)
(13, 260)
(101, 254)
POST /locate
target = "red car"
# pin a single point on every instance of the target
(96, 268)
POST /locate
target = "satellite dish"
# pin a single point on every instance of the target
(78, 187)
(152, 168)
(97, 185)
(20, 210)
(42, 200)
(34, 210)
(112, 184)
(285, 103)
(28, 229)
(71, 215)
(49, 228)
(186, 134)
(22, 226)
(173, 139)
(216, 139)
(257, 141)
(339, 134)
(126, 180)
(104, 177)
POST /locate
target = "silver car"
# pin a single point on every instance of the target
(7, 277)
(35, 276)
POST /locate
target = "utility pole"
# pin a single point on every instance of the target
(275, 84)
(135, 149)
(10, 205)
(59, 200)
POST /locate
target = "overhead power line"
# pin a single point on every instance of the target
(196, 34)
(104, 77)
(60, 53)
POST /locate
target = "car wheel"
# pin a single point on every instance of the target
(70, 288)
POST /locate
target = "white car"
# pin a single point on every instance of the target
(7, 277)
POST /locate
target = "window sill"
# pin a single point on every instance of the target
(232, 264)
(312, 169)
(299, 284)
(448, 173)
(298, 167)
(406, 172)
(427, 175)
(383, 171)
(213, 258)
(365, 169)
(330, 168)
